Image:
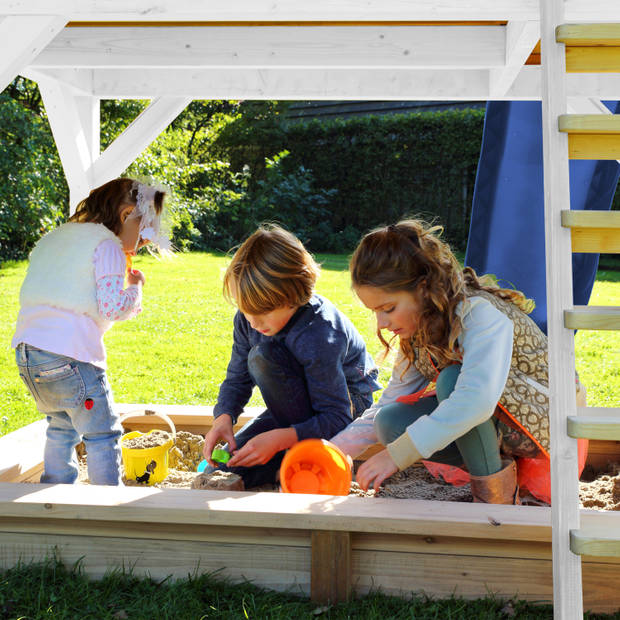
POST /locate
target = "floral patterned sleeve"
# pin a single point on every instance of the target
(116, 304)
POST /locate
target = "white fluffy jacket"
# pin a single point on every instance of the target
(61, 272)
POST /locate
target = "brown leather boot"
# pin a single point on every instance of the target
(498, 488)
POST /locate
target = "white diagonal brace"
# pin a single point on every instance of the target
(73, 140)
(142, 131)
(21, 40)
(521, 37)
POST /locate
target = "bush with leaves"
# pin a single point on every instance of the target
(33, 194)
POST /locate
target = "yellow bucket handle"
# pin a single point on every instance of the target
(148, 412)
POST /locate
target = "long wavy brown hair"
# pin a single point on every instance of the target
(104, 204)
(410, 256)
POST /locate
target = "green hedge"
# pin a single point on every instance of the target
(377, 169)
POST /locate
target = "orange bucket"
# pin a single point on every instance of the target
(315, 466)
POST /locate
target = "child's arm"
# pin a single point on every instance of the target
(221, 431)
(236, 388)
(360, 434)
(263, 447)
(486, 343)
(114, 302)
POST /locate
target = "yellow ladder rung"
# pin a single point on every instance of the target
(592, 317)
(592, 136)
(593, 231)
(590, 48)
(584, 35)
(604, 427)
(599, 543)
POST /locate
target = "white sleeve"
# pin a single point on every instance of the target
(486, 342)
(360, 434)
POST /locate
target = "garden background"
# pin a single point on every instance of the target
(230, 166)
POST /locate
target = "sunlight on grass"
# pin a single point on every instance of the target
(177, 350)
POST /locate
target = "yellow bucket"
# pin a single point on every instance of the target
(146, 465)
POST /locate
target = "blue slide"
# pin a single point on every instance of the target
(507, 232)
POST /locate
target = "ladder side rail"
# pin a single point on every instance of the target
(567, 582)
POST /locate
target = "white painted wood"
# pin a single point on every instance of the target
(291, 84)
(280, 10)
(78, 81)
(521, 37)
(595, 85)
(563, 450)
(136, 137)
(314, 46)
(22, 39)
(89, 113)
(72, 142)
(319, 10)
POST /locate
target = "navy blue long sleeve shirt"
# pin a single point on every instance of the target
(333, 356)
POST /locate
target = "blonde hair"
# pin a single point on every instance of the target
(409, 256)
(270, 269)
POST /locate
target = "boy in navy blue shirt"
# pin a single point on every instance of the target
(307, 359)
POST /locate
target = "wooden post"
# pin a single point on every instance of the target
(331, 573)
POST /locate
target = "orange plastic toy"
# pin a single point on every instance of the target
(315, 466)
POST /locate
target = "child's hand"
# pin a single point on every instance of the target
(135, 276)
(375, 470)
(222, 430)
(261, 448)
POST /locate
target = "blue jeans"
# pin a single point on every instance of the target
(478, 448)
(281, 381)
(63, 389)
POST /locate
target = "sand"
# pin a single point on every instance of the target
(599, 490)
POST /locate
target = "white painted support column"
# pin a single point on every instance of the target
(567, 585)
(73, 123)
(521, 38)
(21, 40)
(136, 137)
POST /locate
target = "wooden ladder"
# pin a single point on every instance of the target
(574, 48)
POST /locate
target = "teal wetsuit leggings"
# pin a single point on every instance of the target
(478, 448)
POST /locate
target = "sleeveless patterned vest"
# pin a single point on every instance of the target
(524, 403)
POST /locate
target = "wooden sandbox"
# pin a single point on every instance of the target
(327, 547)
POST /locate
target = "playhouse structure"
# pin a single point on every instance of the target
(173, 51)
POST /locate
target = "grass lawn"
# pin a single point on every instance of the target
(177, 352)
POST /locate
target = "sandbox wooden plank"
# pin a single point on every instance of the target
(280, 510)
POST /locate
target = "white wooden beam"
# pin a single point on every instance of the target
(136, 137)
(527, 85)
(521, 37)
(279, 10)
(302, 10)
(277, 47)
(78, 81)
(292, 84)
(73, 140)
(567, 583)
(22, 39)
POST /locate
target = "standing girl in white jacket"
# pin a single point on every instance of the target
(73, 293)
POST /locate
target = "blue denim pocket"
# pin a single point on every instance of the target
(61, 387)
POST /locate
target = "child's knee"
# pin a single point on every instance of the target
(446, 381)
(388, 423)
